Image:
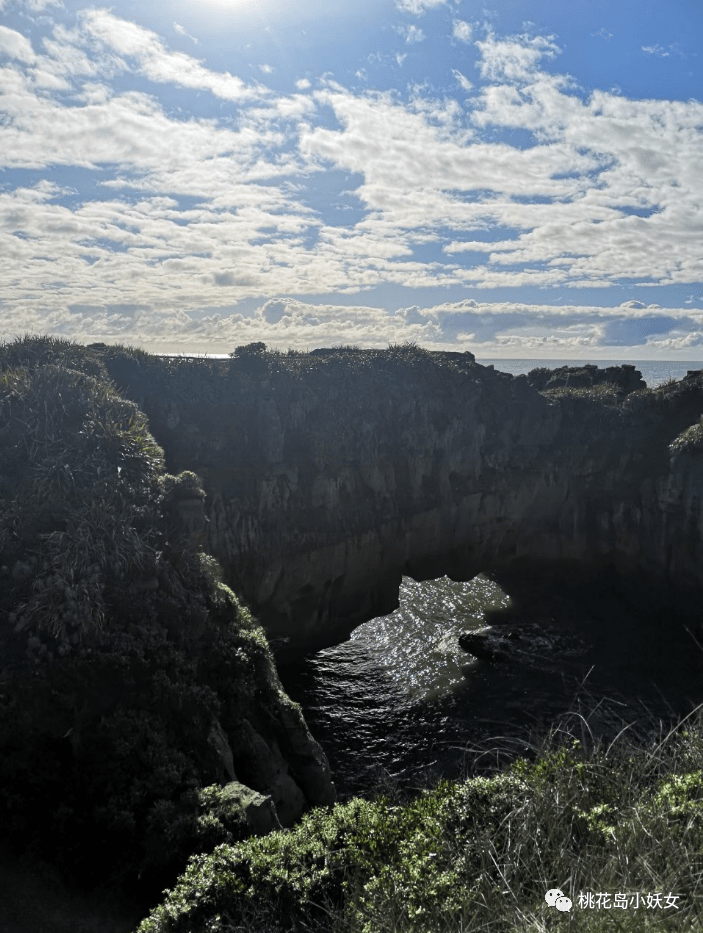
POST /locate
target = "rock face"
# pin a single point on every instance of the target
(624, 379)
(330, 475)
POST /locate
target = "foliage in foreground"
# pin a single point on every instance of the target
(478, 854)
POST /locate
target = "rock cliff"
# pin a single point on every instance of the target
(331, 474)
(141, 714)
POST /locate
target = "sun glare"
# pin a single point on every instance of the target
(240, 6)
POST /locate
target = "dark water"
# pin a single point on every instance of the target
(401, 698)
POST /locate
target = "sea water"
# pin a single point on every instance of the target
(400, 698)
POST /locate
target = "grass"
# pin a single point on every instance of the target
(601, 390)
(477, 854)
(690, 439)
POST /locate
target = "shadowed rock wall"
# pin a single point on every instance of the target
(330, 475)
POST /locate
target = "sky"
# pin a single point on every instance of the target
(518, 179)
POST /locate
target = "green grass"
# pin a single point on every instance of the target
(477, 854)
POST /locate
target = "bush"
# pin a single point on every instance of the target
(474, 854)
(690, 439)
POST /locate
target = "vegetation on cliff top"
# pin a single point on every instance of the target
(126, 664)
(619, 822)
(690, 439)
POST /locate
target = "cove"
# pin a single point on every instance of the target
(140, 701)
(401, 701)
(332, 475)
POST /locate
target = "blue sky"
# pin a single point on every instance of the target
(517, 179)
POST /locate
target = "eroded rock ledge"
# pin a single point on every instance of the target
(329, 475)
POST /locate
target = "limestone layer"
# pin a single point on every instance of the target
(329, 475)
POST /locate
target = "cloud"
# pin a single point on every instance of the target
(411, 33)
(462, 30)
(657, 50)
(38, 6)
(159, 64)
(514, 58)
(415, 315)
(489, 329)
(169, 210)
(14, 45)
(463, 80)
(182, 31)
(418, 7)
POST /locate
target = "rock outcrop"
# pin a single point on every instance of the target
(621, 379)
(135, 685)
(329, 475)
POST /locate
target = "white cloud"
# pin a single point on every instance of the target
(462, 30)
(656, 50)
(514, 58)
(497, 329)
(418, 7)
(38, 6)
(598, 191)
(182, 32)
(464, 82)
(14, 45)
(633, 305)
(411, 33)
(159, 64)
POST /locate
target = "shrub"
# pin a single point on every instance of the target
(690, 439)
(249, 349)
(473, 854)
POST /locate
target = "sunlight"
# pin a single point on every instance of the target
(241, 6)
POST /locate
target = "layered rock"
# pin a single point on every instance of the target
(330, 475)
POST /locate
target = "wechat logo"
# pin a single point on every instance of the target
(557, 898)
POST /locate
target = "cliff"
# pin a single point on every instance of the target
(329, 475)
(141, 714)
